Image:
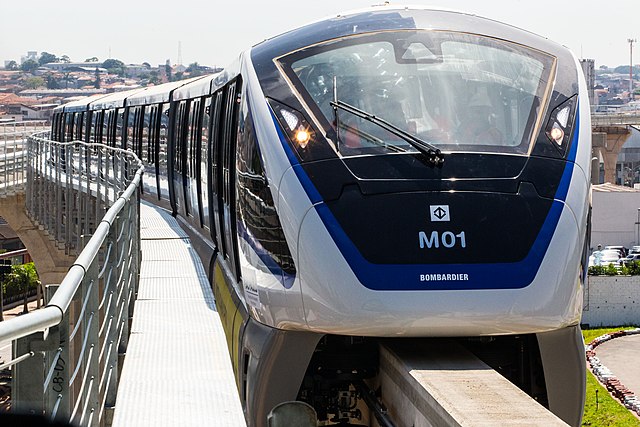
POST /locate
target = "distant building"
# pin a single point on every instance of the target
(62, 93)
(38, 111)
(134, 70)
(31, 55)
(74, 66)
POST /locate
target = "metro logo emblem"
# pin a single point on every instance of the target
(439, 213)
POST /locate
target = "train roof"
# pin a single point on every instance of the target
(80, 104)
(113, 100)
(195, 89)
(396, 18)
(158, 94)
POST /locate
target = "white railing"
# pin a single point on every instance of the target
(65, 356)
(13, 138)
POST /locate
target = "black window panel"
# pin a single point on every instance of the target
(255, 207)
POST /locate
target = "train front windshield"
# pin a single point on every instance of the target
(457, 91)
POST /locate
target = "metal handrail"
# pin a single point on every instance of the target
(69, 184)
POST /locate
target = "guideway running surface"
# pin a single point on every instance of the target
(442, 384)
(177, 370)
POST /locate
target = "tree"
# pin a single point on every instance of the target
(65, 59)
(154, 77)
(34, 82)
(52, 82)
(178, 76)
(11, 66)
(92, 59)
(194, 70)
(624, 69)
(115, 66)
(25, 278)
(46, 57)
(29, 66)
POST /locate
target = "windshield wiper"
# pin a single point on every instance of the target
(432, 153)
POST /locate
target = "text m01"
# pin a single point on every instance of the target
(446, 239)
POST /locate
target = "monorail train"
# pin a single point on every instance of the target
(388, 173)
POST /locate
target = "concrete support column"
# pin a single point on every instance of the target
(616, 136)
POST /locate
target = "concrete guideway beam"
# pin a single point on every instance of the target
(442, 384)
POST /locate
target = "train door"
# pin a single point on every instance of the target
(181, 129)
(68, 125)
(194, 153)
(162, 154)
(229, 137)
(204, 190)
(79, 126)
(215, 169)
(149, 155)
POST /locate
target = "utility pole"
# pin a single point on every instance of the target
(631, 42)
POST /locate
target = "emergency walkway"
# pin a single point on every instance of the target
(131, 335)
(177, 369)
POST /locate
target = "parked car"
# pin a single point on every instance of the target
(606, 257)
(629, 258)
(634, 250)
(623, 251)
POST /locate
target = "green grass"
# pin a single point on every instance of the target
(607, 411)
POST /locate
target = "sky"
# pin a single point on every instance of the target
(214, 32)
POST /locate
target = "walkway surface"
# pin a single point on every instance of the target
(177, 370)
(620, 356)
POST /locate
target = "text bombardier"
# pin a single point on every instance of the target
(443, 277)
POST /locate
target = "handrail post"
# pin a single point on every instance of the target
(91, 324)
(112, 371)
(57, 390)
(28, 376)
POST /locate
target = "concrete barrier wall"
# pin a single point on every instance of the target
(612, 301)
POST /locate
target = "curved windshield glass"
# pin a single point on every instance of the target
(456, 91)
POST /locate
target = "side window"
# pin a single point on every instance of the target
(255, 207)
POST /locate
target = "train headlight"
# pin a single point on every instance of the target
(302, 137)
(560, 123)
(293, 123)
